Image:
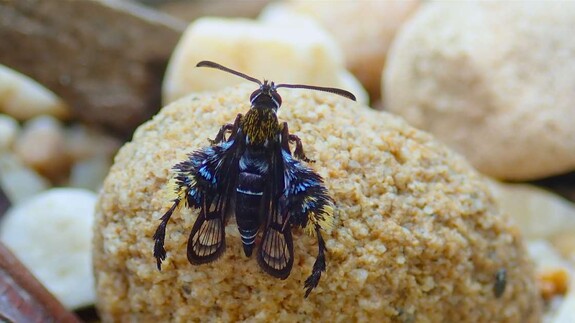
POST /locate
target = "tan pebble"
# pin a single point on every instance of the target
(564, 241)
(553, 282)
(83, 142)
(90, 173)
(23, 98)
(292, 51)
(363, 29)
(539, 213)
(494, 80)
(42, 146)
(9, 129)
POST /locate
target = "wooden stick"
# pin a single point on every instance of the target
(23, 298)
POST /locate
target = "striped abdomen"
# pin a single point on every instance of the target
(249, 194)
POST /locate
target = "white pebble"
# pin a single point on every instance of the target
(19, 182)
(538, 213)
(52, 235)
(9, 129)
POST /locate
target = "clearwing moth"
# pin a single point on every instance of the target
(249, 171)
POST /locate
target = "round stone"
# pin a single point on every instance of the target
(494, 80)
(417, 234)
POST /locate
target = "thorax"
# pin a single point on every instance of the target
(260, 126)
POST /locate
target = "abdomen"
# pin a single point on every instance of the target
(249, 196)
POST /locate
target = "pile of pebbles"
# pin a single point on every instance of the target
(56, 148)
(50, 170)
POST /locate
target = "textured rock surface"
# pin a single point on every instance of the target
(417, 237)
(494, 80)
(106, 58)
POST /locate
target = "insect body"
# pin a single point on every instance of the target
(248, 170)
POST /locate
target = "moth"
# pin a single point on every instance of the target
(249, 171)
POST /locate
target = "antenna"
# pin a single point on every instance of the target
(229, 70)
(333, 90)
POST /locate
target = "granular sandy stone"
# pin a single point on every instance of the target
(417, 238)
(492, 79)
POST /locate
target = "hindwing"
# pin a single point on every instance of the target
(207, 239)
(275, 254)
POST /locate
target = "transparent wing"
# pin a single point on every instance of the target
(217, 176)
(275, 254)
(207, 239)
(204, 180)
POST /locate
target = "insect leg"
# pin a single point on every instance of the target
(228, 127)
(287, 137)
(319, 265)
(160, 234)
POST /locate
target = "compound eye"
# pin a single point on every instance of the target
(277, 99)
(254, 95)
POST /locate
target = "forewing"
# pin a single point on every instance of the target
(215, 172)
(208, 172)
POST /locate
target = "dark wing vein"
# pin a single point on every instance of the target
(207, 239)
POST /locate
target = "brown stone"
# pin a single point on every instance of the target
(104, 58)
